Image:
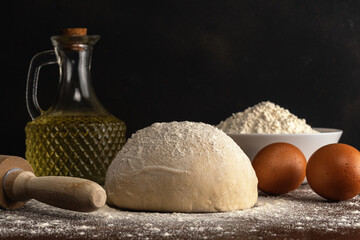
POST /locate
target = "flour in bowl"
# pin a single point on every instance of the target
(265, 117)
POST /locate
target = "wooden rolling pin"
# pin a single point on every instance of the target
(19, 184)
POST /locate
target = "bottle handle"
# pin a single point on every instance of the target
(39, 60)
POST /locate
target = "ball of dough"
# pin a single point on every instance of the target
(181, 167)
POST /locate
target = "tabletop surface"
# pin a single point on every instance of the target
(300, 214)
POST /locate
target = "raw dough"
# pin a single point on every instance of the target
(181, 167)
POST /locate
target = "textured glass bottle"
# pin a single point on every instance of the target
(76, 136)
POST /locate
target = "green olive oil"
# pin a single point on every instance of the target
(77, 146)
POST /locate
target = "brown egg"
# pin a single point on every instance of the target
(333, 172)
(280, 168)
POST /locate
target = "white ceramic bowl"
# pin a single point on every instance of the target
(251, 144)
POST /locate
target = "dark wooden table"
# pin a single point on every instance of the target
(300, 214)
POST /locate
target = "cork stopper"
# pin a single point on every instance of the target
(74, 31)
(74, 39)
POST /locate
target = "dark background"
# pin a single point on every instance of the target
(193, 60)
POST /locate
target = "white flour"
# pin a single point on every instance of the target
(300, 212)
(265, 117)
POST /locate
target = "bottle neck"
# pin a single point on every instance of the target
(75, 74)
(75, 92)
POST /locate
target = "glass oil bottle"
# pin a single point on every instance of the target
(76, 136)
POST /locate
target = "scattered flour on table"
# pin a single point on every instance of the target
(301, 210)
(265, 117)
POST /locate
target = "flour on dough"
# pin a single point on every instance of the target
(181, 167)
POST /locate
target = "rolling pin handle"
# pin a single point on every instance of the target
(69, 193)
(7, 174)
(14, 184)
